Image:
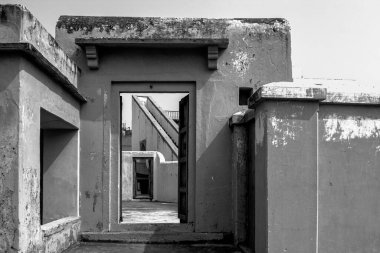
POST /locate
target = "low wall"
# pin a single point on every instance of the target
(165, 176)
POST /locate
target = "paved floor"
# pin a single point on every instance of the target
(151, 248)
(149, 212)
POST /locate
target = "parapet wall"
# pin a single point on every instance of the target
(18, 25)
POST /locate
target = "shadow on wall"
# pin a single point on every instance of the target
(214, 184)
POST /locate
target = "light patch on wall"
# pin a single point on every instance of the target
(337, 129)
(241, 62)
(283, 131)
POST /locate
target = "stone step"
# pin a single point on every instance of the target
(102, 247)
(158, 227)
(153, 237)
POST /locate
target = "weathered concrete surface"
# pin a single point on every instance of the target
(258, 53)
(18, 25)
(349, 178)
(24, 90)
(286, 176)
(152, 248)
(316, 161)
(147, 128)
(61, 234)
(239, 181)
(9, 150)
(36, 91)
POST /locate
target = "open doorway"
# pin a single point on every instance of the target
(152, 145)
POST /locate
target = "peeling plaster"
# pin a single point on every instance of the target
(338, 129)
(241, 62)
(283, 131)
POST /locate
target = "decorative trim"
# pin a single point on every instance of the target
(92, 57)
(212, 57)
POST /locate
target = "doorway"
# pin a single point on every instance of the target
(141, 147)
(157, 193)
(143, 178)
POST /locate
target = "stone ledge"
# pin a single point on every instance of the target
(352, 98)
(326, 91)
(57, 226)
(31, 52)
(241, 117)
(286, 93)
(18, 25)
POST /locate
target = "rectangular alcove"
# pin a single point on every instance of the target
(59, 168)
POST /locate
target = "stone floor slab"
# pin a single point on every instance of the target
(149, 212)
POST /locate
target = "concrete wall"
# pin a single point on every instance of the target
(9, 149)
(349, 179)
(316, 166)
(258, 53)
(35, 74)
(37, 91)
(165, 176)
(146, 128)
(60, 174)
(167, 180)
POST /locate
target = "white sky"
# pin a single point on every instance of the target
(167, 101)
(330, 38)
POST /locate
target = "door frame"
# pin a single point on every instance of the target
(113, 128)
(150, 159)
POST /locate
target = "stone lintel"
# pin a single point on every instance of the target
(36, 56)
(213, 46)
(286, 93)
